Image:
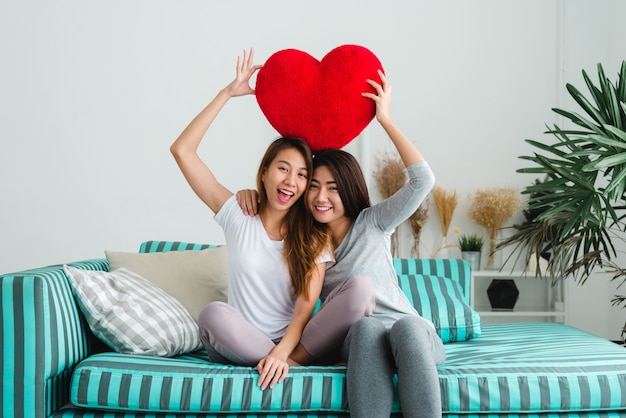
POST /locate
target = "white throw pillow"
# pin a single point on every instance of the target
(132, 315)
(193, 277)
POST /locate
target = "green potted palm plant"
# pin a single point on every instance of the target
(581, 203)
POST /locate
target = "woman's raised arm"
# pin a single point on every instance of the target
(185, 148)
(408, 152)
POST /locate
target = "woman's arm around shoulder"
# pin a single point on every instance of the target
(185, 149)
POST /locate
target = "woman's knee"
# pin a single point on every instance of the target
(362, 294)
(418, 335)
(368, 329)
(413, 324)
(368, 341)
(213, 316)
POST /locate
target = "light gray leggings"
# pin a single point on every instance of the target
(230, 339)
(411, 348)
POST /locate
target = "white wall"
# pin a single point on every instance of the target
(93, 93)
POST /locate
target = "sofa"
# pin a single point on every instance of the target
(56, 362)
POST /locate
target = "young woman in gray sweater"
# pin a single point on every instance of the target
(395, 338)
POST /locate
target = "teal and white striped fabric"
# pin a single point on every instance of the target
(440, 300)
(43, 336)
(191, 384)
(81, 413)
(541, 370)
(512, 368)
(453, 269)
(164, 246)
(439, 289)
(533, 367)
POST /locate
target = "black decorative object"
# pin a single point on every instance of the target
(502, 294)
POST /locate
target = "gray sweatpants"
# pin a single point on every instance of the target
(230, 339)
(411, 348)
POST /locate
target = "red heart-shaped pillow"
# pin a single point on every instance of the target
(319, 101)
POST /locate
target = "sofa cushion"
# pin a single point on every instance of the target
(523, 370)
(441, 300)
(194, 278)
(164, 246)
(454, 269)
(132, 315)
(189, 384)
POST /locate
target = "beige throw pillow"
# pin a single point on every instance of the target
(194, 278)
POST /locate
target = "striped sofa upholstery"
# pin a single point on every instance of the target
(43, 337)
(512, 368)
(50, 357)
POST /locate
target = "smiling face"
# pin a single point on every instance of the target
(323, 198)
(285, 179)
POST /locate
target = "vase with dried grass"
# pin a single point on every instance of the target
(491, 208)
(446, 203)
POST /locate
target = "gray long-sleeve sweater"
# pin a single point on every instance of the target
(366, 248)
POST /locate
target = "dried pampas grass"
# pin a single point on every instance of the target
(390, 175)
(491, 208)
(416, 222)
(446, 204)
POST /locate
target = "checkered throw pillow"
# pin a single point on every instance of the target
(132, 315)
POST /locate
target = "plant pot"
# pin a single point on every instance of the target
(502, 294)
(473, 258)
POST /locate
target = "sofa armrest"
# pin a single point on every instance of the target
(43, 336)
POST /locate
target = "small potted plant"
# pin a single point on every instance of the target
(471, 246)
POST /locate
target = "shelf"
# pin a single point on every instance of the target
(496, 274)
(519, 312)
(538, 299)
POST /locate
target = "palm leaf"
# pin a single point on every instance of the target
(574, 213)
(586, 105)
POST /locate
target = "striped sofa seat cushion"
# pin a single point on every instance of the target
(191, 384)
(85, 413)
(533, 368)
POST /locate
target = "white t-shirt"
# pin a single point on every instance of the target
(259, 284)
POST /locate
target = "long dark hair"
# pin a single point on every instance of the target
(348, 175)
(304, 241)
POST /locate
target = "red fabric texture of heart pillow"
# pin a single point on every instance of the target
(319, 101)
